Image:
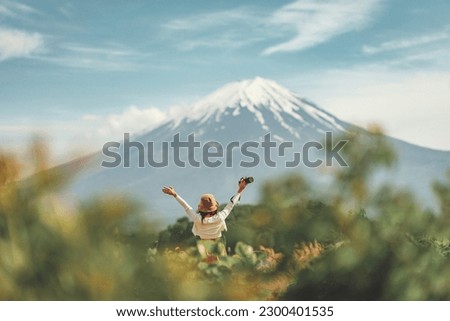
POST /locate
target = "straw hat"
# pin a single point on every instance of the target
(208, 203)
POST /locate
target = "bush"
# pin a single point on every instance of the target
(296, 244)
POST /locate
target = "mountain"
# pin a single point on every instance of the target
(231, 125)
(247, 110)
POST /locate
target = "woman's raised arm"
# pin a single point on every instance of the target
(169, 190)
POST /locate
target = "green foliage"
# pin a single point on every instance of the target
(177, 235)
(52, 251)
(391, 257)
(296, 244)
(442, 190)
(365, 152)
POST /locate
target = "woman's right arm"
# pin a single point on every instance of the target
(187, 208)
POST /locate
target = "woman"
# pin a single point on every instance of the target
(208, 222)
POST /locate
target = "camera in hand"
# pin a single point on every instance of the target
(247, 180)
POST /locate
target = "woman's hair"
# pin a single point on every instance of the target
(203, 214)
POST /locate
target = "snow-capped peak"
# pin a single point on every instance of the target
(258, 96)
(249, 93)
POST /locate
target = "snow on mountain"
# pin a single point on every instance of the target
(265, 102)
(251, 94)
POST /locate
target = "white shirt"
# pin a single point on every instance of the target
(211, 227)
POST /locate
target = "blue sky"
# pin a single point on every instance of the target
(81, 72)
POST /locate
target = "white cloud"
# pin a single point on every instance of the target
(223, 29)
(205, 21)
(16, 43)
(106, 57)
(132, 120)
(406, 43)
(70, 138)
(409, 105)
(315, 22)
(312, 22)
(14, 9)
(226, 40)
(108, 51)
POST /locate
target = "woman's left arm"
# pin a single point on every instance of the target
(233, 201)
